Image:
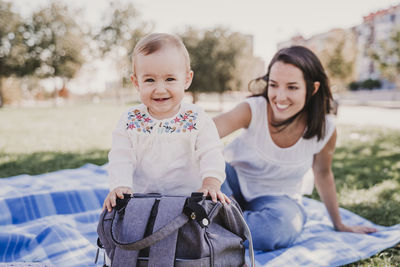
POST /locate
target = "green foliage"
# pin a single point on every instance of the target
(371, 84)
(387, 56)
(366, 84)
(56, 41)
(13, 51)
(48, 43)
(336, 64)
(214, 54)
(121, 29)
(117, 36)
(354, 86)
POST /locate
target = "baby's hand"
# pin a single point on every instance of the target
(111, 199)
(212, 186)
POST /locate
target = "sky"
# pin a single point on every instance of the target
(269, 21)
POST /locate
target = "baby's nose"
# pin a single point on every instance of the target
(161, 86)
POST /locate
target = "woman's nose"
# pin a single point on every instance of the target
(280, 94)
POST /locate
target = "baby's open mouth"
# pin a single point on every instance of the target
(161, 99)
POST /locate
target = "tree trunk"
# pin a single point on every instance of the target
(194, 97)
(1, 93)
(221, 101)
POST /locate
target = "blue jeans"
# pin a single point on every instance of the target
(274, 221)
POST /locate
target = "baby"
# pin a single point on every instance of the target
(164, 145)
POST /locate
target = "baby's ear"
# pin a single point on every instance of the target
(134, 80)
(189, 79)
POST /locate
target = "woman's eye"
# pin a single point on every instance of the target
(170, 79)
(272, 85)
(149, 80)
(293, 87)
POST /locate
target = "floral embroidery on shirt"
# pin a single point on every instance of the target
(139, 121)
(183, 122)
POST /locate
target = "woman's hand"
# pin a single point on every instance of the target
(212, 186)
(360, 229)
(111, 199)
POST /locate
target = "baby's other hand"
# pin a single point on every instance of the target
(111, 199)
(212, 186)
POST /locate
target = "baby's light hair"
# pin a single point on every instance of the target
(155, 42)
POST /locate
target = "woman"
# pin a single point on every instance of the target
(287, 131)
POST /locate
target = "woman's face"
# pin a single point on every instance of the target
(286, 91)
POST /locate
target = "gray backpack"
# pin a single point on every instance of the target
(154, 230)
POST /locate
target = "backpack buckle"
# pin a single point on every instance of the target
(195, 211)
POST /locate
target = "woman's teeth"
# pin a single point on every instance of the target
(281, 106)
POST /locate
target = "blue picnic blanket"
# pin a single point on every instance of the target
(52, 218)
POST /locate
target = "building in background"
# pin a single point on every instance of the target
(337, 51)
(376, 27)
(352, 48)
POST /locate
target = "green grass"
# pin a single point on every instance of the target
(367, 174)
(39, 140)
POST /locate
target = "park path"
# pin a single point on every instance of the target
(369, 116)
(362, 115)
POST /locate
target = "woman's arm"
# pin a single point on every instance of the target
(235, 119)
(325, 184)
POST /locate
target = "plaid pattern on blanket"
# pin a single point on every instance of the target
(52, 219)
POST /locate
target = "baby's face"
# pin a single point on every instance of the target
(162, 78)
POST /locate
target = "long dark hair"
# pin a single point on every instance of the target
(316, 106)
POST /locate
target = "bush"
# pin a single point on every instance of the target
(371, 84)
(354, 86)
(366, 84)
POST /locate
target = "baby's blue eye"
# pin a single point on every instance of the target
(170, 79)
(149, 80)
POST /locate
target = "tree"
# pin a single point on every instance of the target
(338, 68)
(387, 56)
(56, 40)
(213, 55)
(120, 31)
(47, 44)
(13, 51)
(117, 36)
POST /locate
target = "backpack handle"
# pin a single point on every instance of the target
(162, 233)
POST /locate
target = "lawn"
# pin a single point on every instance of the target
(39, 140)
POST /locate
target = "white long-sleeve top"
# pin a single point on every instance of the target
(263, 168)
(169, 156)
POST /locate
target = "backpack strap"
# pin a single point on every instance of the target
(160, 234)
(246, 232)
(126, 225)
(162, 253)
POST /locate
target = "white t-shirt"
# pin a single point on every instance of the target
(169, 156)
(262, 167)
